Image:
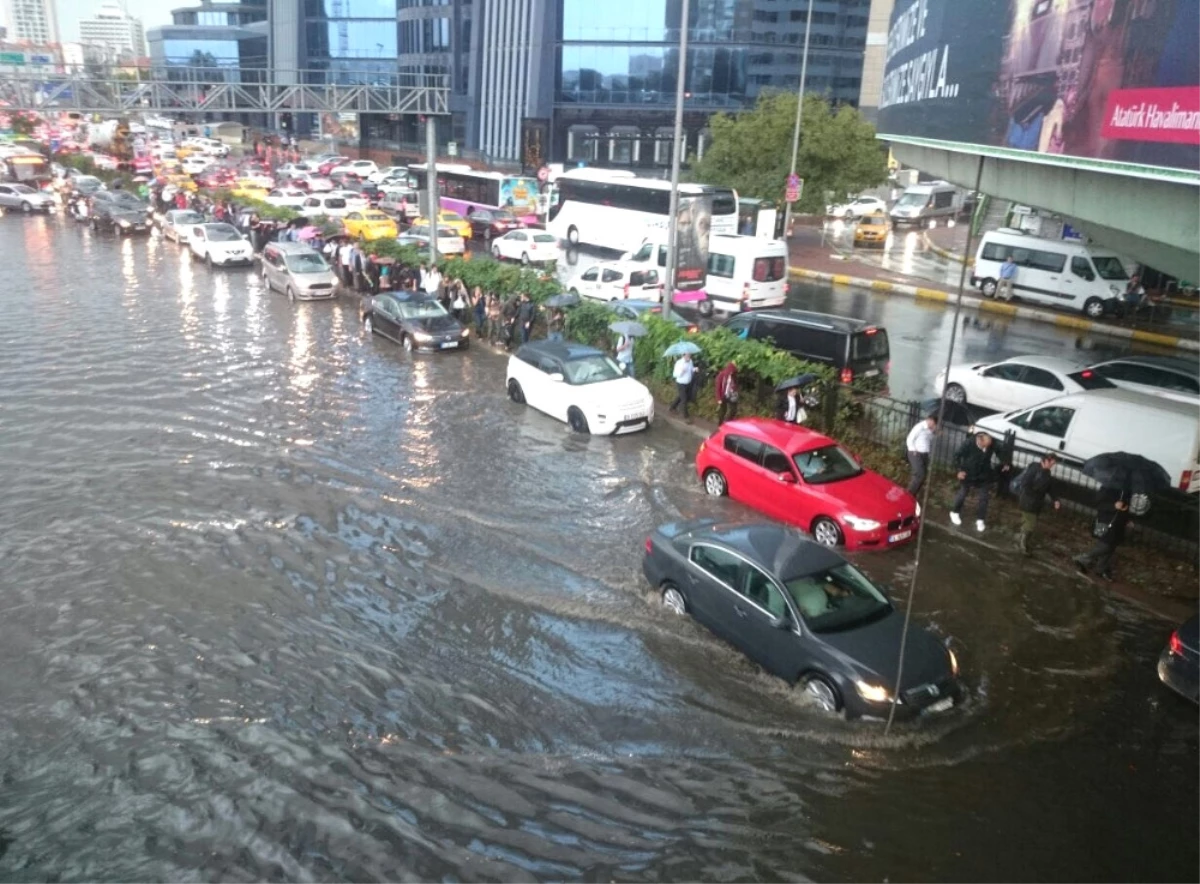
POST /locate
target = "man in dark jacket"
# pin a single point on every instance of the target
(727, 393)
(1112, 515)
(977, 466)
(1036, 487)
(526, 311)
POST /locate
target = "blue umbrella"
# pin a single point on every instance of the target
(679, 348)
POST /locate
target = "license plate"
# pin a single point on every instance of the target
(449, 345)
(896, 538)
(940, 705)
(871, 373)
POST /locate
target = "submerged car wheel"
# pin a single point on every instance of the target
(525, 258)
(208, 260)
(291, 294)
(515, 393)
(407, 343)
(573, 235)
(26, 207)
(577, 421)
(368, 325)
(496, 253)
(673, 599)
(715, 484)
(822, 694)
(826, 532)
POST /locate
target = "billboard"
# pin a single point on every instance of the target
(692, 222)
(1098, 81)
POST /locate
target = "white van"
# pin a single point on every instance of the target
(1083, 425)
(1057, 272)
(922, 203)
(746, 270)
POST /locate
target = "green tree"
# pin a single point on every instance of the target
(752, 151)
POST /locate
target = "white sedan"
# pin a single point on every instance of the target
(580, 385)
(361, 168)
(1019, 382)
(354, 199)
(526, 246)
(381, 175)
(448, 241)
(287, 197)
(219, 243)
(196, 164)
(318, 204)
(178, 223)
(612, 281)
(857, 207)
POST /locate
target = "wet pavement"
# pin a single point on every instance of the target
(280, 602)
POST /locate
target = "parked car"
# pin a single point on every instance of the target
(326, 166)
(298, 271)
(857, 207)
(371, 224)
(216, 178)
(381, 175)
(446, 218)
(219, 243)
(611, 281)
(448, 240)
(25, 198)
(526, 246)
(488, 223)
(1166, 376)
(196, 164)
(1017, 382)
(318, 204)
(416, 322)
(287, 197)
(806, 479)
(178, 223)
(358, 168)
(1179, 664)
(580, 385)
(118, 217)
(355, 200)
(804, 614)
(401, 202)
(87, 185)
(636, 309)
(857, 349)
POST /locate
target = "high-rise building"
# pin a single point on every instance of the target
(114, 33)
(878, 22)
(223, 36)
(31, 21)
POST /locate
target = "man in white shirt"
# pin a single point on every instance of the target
(433, 281)
(920, 444)
(683, 372)
(344, 262)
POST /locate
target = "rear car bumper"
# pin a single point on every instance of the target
(1180, 675)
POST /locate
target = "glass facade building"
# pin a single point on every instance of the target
(225, 37)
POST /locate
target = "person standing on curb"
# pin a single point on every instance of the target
(726, 390)
(920, 444)
(625, 354)
(1033, 487)
(1008, 272)
(526, 312)
(1112, 515)
(683, 372)
(977, 466)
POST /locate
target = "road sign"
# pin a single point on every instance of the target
(795, 187)
(452, 148)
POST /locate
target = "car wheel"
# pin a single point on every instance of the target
(706, 308)
(673, 600)
(955, 393)
(95, 225)
(577, 421)
(826, 532)
(264, 275)
(26, 207)
(988, 288)
(573, 235)
(822, 694)
(574, 291)
(715, 484)
(515, 393)
(291, 295)
(1093, 308)
(208, 260)
(496, 252)
(407, 343)
(368, 325)
(525, 258)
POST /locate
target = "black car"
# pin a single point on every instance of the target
(857, 349)
(1179, 664)
(803, 613)
(488, 223)
(416, 322)
(118, 216)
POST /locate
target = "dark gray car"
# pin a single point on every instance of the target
(803, 613)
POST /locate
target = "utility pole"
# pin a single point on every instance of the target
(431, 186)
(787, 215)
(677, 150)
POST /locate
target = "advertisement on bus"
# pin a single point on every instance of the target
(1100, 81)
(692, 223)
(519, 195)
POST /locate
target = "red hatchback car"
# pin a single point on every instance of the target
(806, 479)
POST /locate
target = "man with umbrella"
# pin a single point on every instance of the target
(683, 372)
(1121, 476)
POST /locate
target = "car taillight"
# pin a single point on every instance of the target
(1175, 646)
(693, 328)
(649, 545)
(1185, 480)
(847, 376)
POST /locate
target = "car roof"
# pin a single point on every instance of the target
(783, 551)
(1050, 363)
(781, 434)
(1115, 396)
(564, 350)
(291, 248)
(1170, 363)
(846, 324)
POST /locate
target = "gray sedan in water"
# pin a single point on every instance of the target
(25, 198)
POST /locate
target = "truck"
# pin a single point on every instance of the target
(112, 137)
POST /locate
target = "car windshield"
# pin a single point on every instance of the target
(306, 263)
(335, 203)
(911, 201)
(838, 598)
(187, 218)
(543, 237)
(375, 216)
(874, 220)
(222, 233)
(23, 188)
(829, 464)
(1109, 267)
(591, 370)
(447, 233)
(421, 310)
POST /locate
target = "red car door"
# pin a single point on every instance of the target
(786, 497)
(749, 482)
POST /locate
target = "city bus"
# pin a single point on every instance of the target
(24, 167)
(463, 189)
(614, 209)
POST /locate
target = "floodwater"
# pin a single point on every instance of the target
(280, 602)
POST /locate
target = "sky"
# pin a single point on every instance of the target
(152, 13)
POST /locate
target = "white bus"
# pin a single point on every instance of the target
(617, 210)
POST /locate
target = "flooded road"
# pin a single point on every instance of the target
(280, 602)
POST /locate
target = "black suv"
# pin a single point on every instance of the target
(857, 349)
(119, 212)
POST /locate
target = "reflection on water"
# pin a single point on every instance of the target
(281, 601)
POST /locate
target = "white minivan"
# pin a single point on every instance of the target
(746, 271)
(1056, 272)
(1083, 425)
(925, 203)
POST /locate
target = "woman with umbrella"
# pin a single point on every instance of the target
(791, 404)
(1122, 476)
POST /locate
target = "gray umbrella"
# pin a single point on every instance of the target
(564, 300)
(629, 328)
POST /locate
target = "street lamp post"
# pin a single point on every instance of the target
(431, 186)
(677, 150)
(787, 215)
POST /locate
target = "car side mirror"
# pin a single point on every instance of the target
(556, 377)
(858, 459)
(787, 478)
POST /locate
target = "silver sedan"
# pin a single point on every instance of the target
(177, 223)
(25, 198)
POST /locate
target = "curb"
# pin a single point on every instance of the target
(956, 257)
(989, 306)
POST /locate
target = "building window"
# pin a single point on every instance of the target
(583, 143)
(663, 137)
(623, 146)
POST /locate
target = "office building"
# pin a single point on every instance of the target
(117, 35)
(874, 57)
(32, 21)
(228, 39)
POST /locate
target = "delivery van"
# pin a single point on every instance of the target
(923, 203)
(1082, 425)
(746, 272)
(1054, 272)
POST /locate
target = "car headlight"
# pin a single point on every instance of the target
(465, 332)
(873, 693)
(421, 336)
(123, 223)
(953, 661)
(860, 524)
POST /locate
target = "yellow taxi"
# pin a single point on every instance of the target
(370, 224)
(446, 218)
(250, 191)
(872, 230)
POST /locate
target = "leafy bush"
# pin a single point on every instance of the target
(588, 323)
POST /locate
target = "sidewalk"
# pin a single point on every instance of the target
(810, 259)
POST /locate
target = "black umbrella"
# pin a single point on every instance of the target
(800, 380)
(1130, 473)
(564, 300)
